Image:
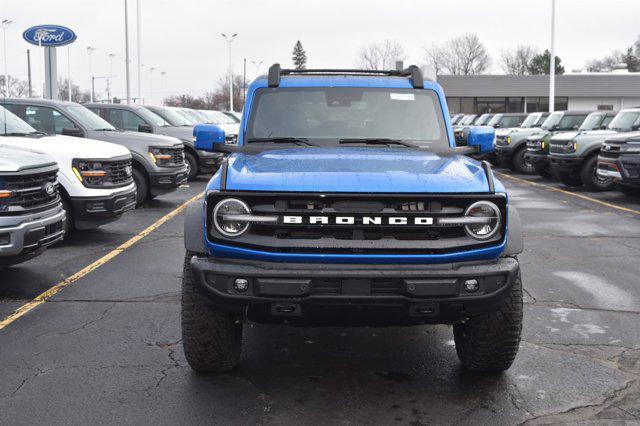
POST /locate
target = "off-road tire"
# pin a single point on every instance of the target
(142, 187)
(68, 226)
(211, 340)
(542, 171)
(520, 164)
(568, 179)
(591, 180)
(192, 162)
(489, 342)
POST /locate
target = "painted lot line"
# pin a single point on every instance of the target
(45, 296)
(573, 194)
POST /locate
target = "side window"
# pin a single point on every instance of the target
(123, 119)
(12, 108)
(95, 110)
(47, 120)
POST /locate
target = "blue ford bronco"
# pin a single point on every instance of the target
(347, 203)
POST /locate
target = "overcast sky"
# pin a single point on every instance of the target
(182, 37)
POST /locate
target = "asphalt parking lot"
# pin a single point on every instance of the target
(107, 348)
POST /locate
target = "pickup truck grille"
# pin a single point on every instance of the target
(30, 192)
(357, 237)
(118, 172)
(610, 150)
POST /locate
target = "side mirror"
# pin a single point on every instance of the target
(207, 136)
(496, 126)
(73, 131)
(481, 138)
(145, 128)
(635, 127)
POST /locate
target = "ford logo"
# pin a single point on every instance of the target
(49, 35)
(49, 188)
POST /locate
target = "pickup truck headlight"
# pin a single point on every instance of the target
(89, 172)
(160, 156)
(508, 140)
(490, 218)
(223, 220)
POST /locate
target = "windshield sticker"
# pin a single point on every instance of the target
(402, 96)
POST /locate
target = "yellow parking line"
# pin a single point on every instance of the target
(584, 197)
(43, 297)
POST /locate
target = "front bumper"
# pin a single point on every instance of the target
(91, 212)
(209, 162)
(28, 235)
(332, 294)
(504, 151)
(536, 158)
(625, 169)
(560, 162)
(163, 182)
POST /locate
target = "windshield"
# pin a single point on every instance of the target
(224, 118)
(561, 121)
(233, 117)
(211, 117)
(510, 121)
(172, 117)
(328, 116)
(88, 119)
(592, 121)
(151, 118)
(468, 119)
(11, 124)
(187, 117)
(495, 120)
(482, 119)
(531, 120)
(625, 120)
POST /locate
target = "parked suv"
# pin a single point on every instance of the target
(95, 177)
(31, 215)
(346, 202)
(140, 119)
(619, 160)
(574, 161)
(538, 144)
(511, 144)
(158, 161)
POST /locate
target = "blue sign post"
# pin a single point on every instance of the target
(50, 37)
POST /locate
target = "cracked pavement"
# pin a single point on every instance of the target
(107, 349)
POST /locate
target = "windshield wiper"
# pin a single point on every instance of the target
(23, 134)
(297, 141)
(105, 130)
(379, 141)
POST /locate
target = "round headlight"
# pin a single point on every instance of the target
(227, 207)
(487, 229)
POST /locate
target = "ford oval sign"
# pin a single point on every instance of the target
(49, 35)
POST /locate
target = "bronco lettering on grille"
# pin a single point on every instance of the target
(360, 220)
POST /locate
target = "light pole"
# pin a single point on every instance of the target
(229, 40)
(69, 72)
(109, 87)
(552, 62)
(151, 69)
(162, 74)
(257, 64)
(126, 49)
(5, 23)
(90, 50)
(138, 47)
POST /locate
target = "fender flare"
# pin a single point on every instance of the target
(194, 228)
(515, 240)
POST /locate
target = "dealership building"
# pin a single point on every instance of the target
(529, 93)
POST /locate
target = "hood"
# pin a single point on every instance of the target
(358, 169)
(13, 159)
(593, 135)
(184, 133)
(624, 138)
(505, 131)
(136, 138)
(565, 136)
(538, 134)
(63, 147)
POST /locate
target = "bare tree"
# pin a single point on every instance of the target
(77, 94)
(18, 88)
(516, 61)
(375, 56)
(607, 63)
(464, 55)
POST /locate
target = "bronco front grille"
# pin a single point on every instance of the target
(357, 237)
(30, 192)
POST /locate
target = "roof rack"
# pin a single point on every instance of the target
(417, 80)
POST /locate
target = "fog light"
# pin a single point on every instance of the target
(5, 239)
(471, 286)
(241, 284)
